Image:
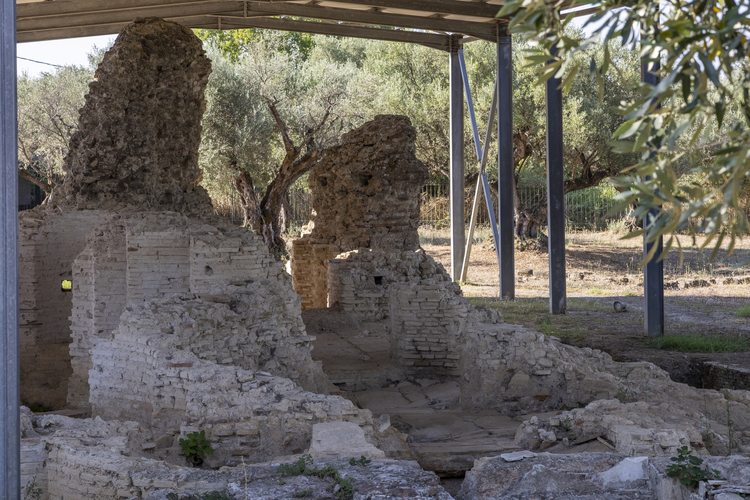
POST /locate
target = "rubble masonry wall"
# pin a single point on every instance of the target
(365, 195)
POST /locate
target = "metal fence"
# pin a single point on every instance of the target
(587, 209)
(300, 204)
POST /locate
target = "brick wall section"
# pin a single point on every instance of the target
(33, 469)
(48, 246)
(157, 249)
(310, 272)
(427, 318)
(360, 281)
(99, 296)
(365, 195)
(218, 258)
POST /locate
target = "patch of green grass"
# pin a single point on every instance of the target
(744, 311)
(598, 291)
(632, 294)
(700, 343)
(515, 311)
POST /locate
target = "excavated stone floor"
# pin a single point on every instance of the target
(443, 437)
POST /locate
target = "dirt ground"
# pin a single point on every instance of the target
(702, 297)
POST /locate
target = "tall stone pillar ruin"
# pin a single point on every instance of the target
(366, 195)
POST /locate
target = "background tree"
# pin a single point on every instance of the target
(413, 80)
(47, 117)
(268, 119)
(702, 48)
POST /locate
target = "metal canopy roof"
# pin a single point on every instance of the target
(393, 20)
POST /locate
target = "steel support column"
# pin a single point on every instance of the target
(505, 179)
(10, 445)
(458, 229)
(555, 198)
(653, 272)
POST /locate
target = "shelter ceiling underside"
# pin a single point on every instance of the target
(426, 22)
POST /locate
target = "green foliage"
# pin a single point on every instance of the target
(700, 343)
(240, 133)
(33, 491)
(687, 468)
(698, 114)
(296, 468)
(233, 44)
(37, 407)
(302, 493)
(196, 446)
(346, 489)
(47, 117)
(743, 312)
(343, 488)
(362, 461)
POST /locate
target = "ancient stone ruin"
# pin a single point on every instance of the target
(148, 318)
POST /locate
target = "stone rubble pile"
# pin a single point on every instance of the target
(593, 476)
(93, 459)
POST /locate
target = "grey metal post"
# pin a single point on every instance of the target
(10, 445)
(653, 272)
(555, 198)
(458, 229)
(505, 179)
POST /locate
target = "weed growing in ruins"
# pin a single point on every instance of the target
(363, 461)
(687, 468)
(302, 493)
(195, 447)
(343, 489)
(33, 491)
(296, 468)
(743, 312)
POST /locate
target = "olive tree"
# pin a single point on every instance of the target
(268, 119)
(699, 51)
(47, 116)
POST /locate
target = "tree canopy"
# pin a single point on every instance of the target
(697, 113)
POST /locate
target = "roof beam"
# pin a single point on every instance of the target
(57, 33)
(440, 42)
(485, 31)
(59, 7)
(449, 7)
(127, 15)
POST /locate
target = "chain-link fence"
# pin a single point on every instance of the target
(585, 210)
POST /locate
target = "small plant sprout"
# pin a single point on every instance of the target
(362, 461)
(195, 446)
(687, 468)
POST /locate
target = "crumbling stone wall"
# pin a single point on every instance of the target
(139, 129)
(360, 281)
(49, 244)
(140, 257)
(191, 363)
(99, 297)
(365, 195)
(135, 148)
(92, 459)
